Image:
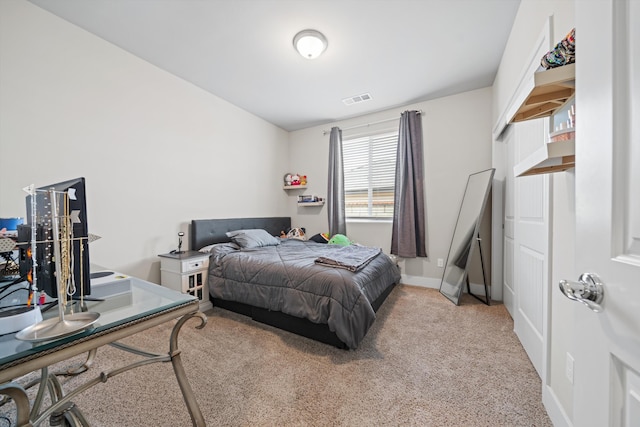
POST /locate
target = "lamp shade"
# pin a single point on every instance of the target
(310, 43)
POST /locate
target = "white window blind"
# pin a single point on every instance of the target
(369, 175)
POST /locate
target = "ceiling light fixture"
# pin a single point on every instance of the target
(310, 43)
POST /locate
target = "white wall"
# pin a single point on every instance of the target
(156, 151)
(457, 142)
(532, 15)
(530, 19)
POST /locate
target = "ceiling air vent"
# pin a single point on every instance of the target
(356, 99)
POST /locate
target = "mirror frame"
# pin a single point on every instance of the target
(465, 235)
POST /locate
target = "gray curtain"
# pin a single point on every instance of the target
(335, 192)
(408, 234)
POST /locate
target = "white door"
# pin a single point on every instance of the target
(607, 344)
(531, 246)
(508, 288)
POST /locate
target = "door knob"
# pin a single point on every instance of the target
(588, 290)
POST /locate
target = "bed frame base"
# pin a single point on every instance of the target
(316, 331)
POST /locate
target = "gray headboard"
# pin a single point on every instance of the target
(209, 231)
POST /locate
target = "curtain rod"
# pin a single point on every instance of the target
(324, 132)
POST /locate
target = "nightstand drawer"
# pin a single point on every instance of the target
(194, 265)
(185, 264)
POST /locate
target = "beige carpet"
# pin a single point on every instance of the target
(425, 362)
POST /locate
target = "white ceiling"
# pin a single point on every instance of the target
(399, 51)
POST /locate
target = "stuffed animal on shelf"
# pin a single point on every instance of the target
(295, 179)
(287, 179)
(303, 180)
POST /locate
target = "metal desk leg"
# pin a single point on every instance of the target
(42, 388)
(19, 396)
(85, 366)
(63, 411)
(48, 382)
(68, 414)
(189, 398)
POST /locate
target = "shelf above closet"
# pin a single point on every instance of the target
(544, 93)
(553, 157)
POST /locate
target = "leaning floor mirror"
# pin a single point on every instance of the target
(465, 237)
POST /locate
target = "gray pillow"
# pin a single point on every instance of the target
(218, 247)
(253, 238)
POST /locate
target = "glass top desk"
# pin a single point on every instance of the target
(129, 305)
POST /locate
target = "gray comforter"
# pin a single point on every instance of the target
(287, 278)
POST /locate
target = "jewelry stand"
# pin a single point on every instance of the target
(64, 324)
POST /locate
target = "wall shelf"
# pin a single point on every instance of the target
(293, 187)
(553, 157)
(306, 204)
(544, 93)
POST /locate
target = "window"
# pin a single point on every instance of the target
(369, 175)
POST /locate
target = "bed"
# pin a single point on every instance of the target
(299, 286)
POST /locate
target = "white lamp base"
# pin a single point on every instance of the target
(14, 320)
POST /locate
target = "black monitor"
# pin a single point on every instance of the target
(71, 211)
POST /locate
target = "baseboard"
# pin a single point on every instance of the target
(205, 306)
(424, 282)
(431, 282)
(554, 409)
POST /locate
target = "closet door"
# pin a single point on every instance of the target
(509, 287)
(531, 252)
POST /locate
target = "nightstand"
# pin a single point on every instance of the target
(187, 272)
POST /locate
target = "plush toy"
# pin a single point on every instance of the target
(287, 179)
(340, 239)
(303, 180)
(295, 179)
(320, 238)
(294, 233)
(297, 233)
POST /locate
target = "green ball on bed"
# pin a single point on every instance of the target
(340, 239)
